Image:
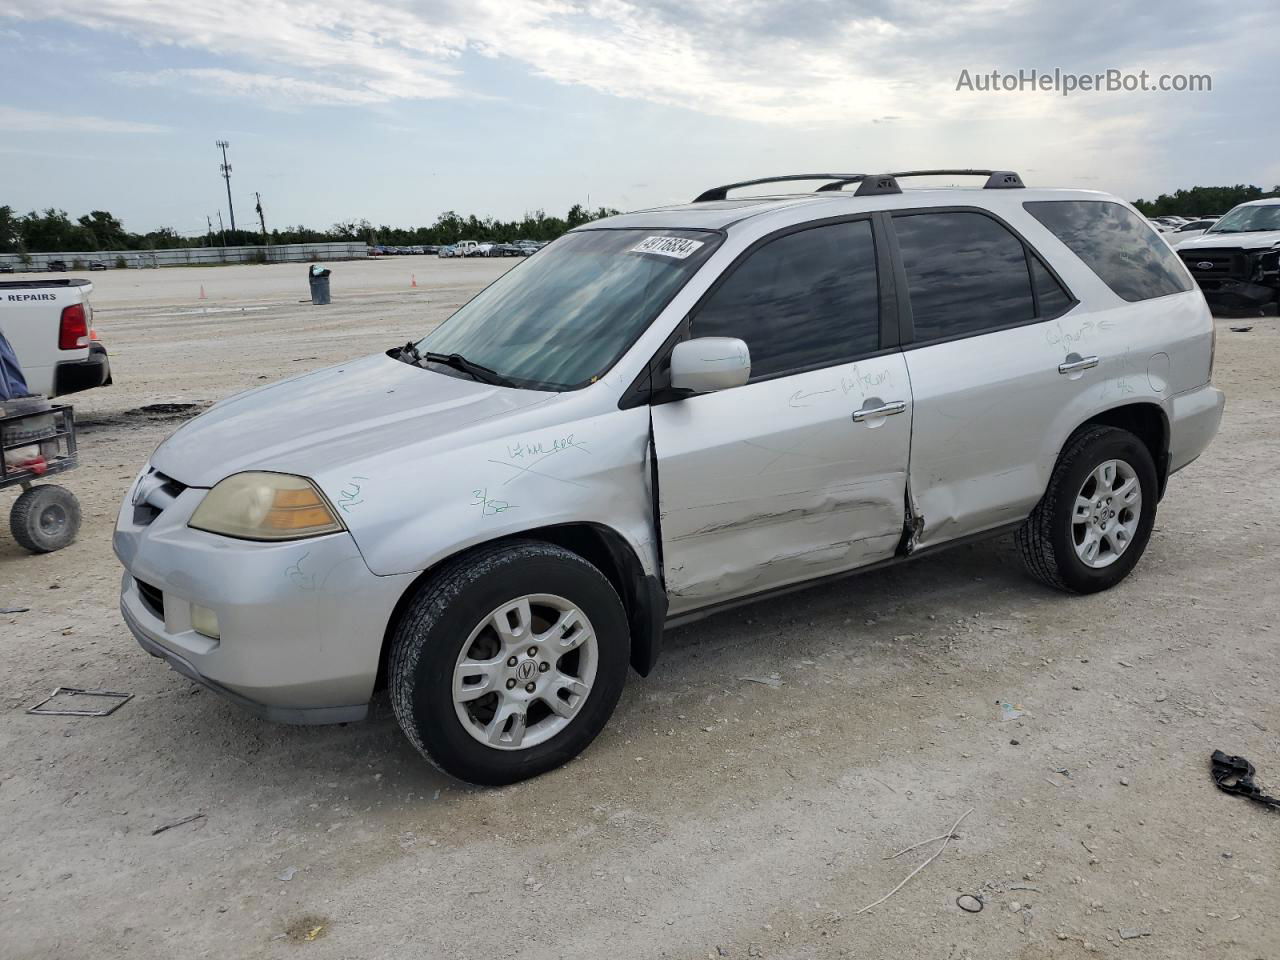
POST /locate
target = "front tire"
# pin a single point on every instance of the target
(508, 662)
(1092, 525)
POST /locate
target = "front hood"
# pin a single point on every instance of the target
(339, 415)
(1241, 241)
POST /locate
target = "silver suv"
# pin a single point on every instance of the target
(659, 416)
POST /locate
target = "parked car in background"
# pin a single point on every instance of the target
(56, 266)
(97, 265)
(1190, 230)
(6, 268)
(49, 323)
(665, 414)
(446, 251)
(466, 248)
(1237, 260)
(431, 249)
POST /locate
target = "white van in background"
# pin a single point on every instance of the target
(49, 324)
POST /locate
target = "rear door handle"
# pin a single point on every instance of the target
(885, 410)
(1075, 366)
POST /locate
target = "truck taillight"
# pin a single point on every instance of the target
(73, 333)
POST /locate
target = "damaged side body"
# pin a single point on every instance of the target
(775, 483)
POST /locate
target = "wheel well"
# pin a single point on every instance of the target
(1148, 423)
(642, 597)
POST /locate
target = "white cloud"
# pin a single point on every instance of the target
(268, 88)
(32, 121)
(811, 63)
(721, 58)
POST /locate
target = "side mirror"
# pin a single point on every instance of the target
(708, 364)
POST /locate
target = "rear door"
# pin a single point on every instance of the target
(983, 348)
(801, 472)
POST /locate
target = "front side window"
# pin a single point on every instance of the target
(561, 319)
(1116, 244)
(966, 274)
(801, 301)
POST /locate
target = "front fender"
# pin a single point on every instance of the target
(409, 509)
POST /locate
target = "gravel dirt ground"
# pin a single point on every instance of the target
(716, 816)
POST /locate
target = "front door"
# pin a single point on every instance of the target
(800, 472)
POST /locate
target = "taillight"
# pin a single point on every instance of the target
(73, 334)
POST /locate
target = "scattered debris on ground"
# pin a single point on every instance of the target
(57, 703)
(178, 823)
(306, 928)
(1235, 775)
(946, 840)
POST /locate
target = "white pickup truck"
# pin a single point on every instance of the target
(49, 324)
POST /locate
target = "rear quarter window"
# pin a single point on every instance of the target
(1116, 244)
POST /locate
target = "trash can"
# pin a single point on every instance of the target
(318, 278)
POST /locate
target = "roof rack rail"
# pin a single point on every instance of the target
(721, 193)
(888, 182)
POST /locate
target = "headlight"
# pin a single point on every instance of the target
(265, 506)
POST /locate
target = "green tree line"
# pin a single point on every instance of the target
(53, 231)
(1198, 201)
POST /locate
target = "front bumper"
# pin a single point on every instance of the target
(1237, 294)
(301, 623)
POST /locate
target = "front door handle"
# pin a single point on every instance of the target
(884, 410)
(1070, 366)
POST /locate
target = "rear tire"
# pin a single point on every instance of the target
(45, 518)
(1086, 534)
(508, 662)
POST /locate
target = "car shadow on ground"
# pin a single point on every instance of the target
(371, 764)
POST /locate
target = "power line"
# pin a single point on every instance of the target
(226, 175)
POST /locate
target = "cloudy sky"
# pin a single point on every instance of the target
(395, 110)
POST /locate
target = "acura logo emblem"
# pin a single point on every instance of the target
(526, 670)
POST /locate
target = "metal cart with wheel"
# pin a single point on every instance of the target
(38, 440)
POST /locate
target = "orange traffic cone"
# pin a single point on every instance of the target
(202, 296)
(413, 279)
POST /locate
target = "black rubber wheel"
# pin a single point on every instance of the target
(437, 625)
(1048, 538)
(45, 518)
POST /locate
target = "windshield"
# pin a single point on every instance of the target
(1249, 219)
(563, 318)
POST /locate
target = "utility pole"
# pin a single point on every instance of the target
(222, 228)
(226, 175)
(209, 235)
(261, 220)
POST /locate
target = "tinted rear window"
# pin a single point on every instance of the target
(1117, 245)
(966, 273)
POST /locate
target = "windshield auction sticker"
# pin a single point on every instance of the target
(677, 247)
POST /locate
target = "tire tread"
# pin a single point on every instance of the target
(434, 596)
(29, 503)
(1035, 537)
